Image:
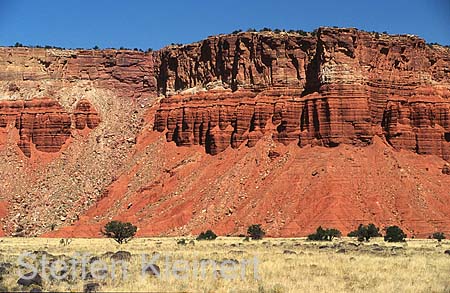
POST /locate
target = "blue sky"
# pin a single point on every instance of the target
(154, 24)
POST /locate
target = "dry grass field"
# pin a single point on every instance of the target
(232, 265)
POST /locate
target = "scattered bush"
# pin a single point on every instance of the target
(120, 231)
(208, 235)
(394, 234)
(236, 32)
(17, 44)
(182, 241)
(332, 233)
(95, 48)
(255, 232)
(365, 232)
(439, 236)
(65, 241)
(373, 231)
(324, 234)
(265, 29)
(47, 47)
(302, 32)
(318, 236)
(251, 30)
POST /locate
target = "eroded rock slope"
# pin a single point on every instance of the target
(292, 131)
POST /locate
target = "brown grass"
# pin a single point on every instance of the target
(286, 265)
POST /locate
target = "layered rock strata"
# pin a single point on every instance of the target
(333, 88)
(44, 123)
(340, 86)
(128, 73)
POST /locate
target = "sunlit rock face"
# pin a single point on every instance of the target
(333, 128)
(339, 86)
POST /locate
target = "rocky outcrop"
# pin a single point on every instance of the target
(335, 86)
(44, 123)
(29, 75)
(340, 86)
(85, 115)
(278, 93)
(247, 60)
(446, 169)
(128, 73)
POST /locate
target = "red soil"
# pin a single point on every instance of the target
(289, 195)
(291, 131)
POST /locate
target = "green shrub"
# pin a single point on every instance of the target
(439, 236)
(324, 234)
(394, 234)
(208, 235)
(332, 233)
(120, 231)
(300, 32)
(255, 232)
(318, 236)
(182, 241)
(365, 232)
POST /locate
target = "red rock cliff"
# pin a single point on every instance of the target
(128, 73)
(44, 123)
(67, 122)
(340, 86)
(90, 114)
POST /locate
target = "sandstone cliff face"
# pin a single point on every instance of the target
(341, 86)
(44, 123)
(27, 74)
(68, 119)
(247, 60)
(86, 115)
(129, 73)
(84, 120)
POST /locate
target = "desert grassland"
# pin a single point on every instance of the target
(285, 265)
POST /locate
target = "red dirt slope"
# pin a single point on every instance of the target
(291, 130)
(290, 194)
